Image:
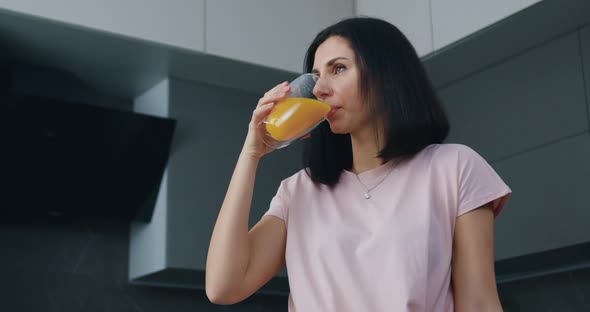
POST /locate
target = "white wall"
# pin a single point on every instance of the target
(433, 24)
(272, 33)
(412, 17)
(174, 22)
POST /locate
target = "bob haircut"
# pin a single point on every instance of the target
(395, 87)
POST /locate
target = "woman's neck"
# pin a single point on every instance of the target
(364, 151)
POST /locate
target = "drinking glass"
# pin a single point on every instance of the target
(295, 116)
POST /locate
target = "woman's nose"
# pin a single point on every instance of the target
(321, 90)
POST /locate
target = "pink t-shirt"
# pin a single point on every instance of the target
(391, 252)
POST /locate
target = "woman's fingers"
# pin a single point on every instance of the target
(275, 94)
(261, 111)
(265, 104)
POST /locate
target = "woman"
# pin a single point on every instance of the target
(384, 217)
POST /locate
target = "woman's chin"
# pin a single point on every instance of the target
(336, 129)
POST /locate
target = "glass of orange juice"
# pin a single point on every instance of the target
(295, 116)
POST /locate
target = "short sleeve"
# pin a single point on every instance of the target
(278, 204)
(479, 183)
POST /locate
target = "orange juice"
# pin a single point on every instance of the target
(293, 116)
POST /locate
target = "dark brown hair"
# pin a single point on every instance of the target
(397, 89)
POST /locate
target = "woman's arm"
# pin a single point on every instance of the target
(474, 280)
(239, 261)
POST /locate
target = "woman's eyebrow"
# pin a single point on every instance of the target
(330, 63)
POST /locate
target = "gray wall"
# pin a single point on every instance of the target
(563, 292)
(212, 125)
(528, 116)
(83, 267)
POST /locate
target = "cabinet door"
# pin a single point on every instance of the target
(453, 20)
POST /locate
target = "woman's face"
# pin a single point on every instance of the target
(339, 86)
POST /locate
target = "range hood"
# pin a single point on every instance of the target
(63, 159)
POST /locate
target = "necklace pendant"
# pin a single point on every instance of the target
(367, 195)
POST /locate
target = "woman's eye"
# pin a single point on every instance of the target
(339, 68)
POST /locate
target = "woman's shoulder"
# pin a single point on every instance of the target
(450, 151)
(296, 180)
(450, 155)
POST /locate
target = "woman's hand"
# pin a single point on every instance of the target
(254, 147)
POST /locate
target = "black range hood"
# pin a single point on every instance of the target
(62, 160)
